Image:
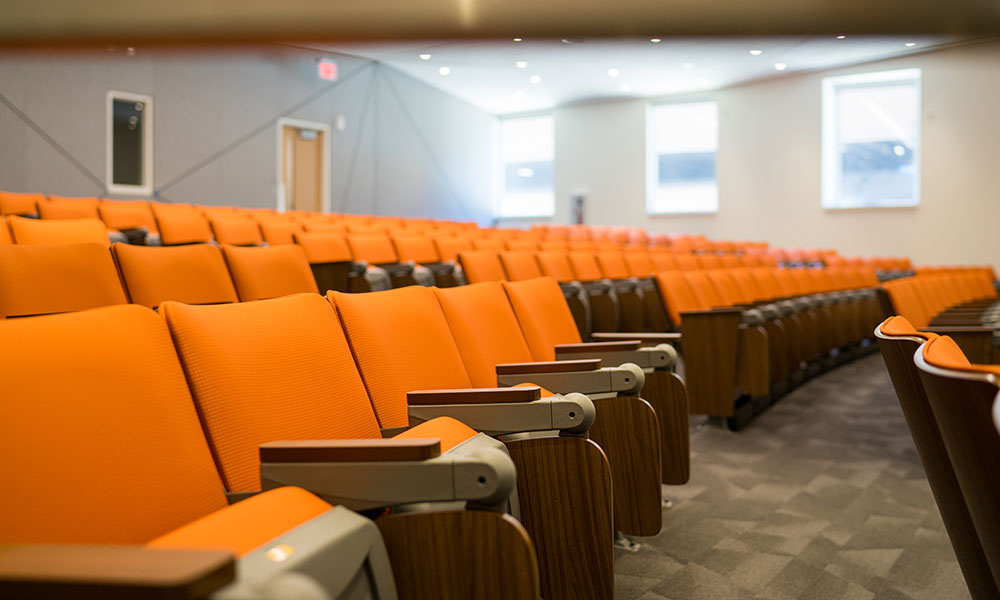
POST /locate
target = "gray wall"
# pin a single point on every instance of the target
(408, 149)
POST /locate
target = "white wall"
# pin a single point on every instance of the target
(768, 166)
(408, 149)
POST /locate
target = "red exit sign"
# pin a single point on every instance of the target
(327, 69)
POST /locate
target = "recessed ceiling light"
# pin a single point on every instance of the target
(625, 87)
(517, 39)
(687, 66)
(756, 52)
(780, 66)
(841, 37)
(655, 40)
(612, 72)
(910, 44)
(445, 70)
(521, 64)
(425, 57)
(535, 79)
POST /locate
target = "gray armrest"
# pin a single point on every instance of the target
(624, 379)
(353, 477)
(571, 413)
(75, 571)
(661, 356)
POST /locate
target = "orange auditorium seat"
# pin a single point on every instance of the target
(269, 271)
(34, 232)
(194, 274)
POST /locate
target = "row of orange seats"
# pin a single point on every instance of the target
(442, 333)
(930, 293)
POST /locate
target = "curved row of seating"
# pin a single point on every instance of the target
(952, 408)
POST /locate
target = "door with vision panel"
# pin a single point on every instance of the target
(303, 169)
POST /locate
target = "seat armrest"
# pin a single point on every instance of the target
(644, 339)
(632, 344)
(379, 473)
(626, 378)
(570, 414)
(74, 571)
(500, 395)
(350, 450)
(564, 366)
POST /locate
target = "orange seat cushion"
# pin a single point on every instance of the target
(269, 271)
(247, 525)
(100, 438)
(451, 432)
(271, 370)
(194, 274)
(39, 280)
(401, 342)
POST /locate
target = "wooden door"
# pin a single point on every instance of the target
(302, 168)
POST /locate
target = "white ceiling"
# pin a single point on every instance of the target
(484, 73)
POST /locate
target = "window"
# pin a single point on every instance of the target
(129, 143)
(871, 140)
(528, 150)
(682, 141)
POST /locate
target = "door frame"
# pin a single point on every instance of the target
(279, 146)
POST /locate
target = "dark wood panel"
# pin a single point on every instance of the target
(710, 341)
(753, 366)
(666, 392)
(561, 366)
(373, 450)
(564, 490)
(626, 428)
(457, 555)
(474, 395)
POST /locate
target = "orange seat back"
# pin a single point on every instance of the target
(194, 274)
(107, 442)
(705, 291)
(543, 315)
(481, 265)
(270, 370)
(664, 261)
(60, 207)
(521, 245)
(36, 232)
(5, 238)
(612, 264)
(729, 291)
(415, 248)
(639, 264)
(495, 244)
(677, 294)
(373, 248)
(485, 329)
(585, 266)
(276, 231)
(323, 247)
(266, 272)
(401, 343)
(709, 261)
(40, 280)
(12, 203)
(119, 214)
(519, 266)
(687, 262)
(449, 247)
(748, 286)
(180, 224)
(555, 264)
(236, 230)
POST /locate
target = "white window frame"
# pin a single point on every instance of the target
(653, 160)
(146, 189)
(830, 157)
(280, 202)
(499, 173)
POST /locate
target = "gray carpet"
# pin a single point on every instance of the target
(822, 498)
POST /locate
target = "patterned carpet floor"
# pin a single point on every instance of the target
(821, 498)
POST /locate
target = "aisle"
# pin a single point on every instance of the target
(821, 498)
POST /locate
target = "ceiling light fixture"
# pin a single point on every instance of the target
(535, 79)
(655, 40)
(517, 39)
(612, 72)
(780, 66)
(425, 57)
(521, 64)
(625, 87)
(910, 44)
(756, 52)
(445, 70)
(841, 37)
